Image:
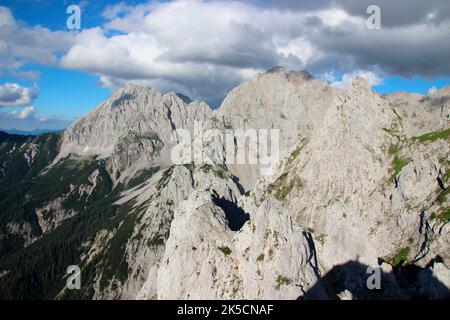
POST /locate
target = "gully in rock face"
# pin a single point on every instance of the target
(233, 147)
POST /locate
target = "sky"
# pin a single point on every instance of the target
(51, 75)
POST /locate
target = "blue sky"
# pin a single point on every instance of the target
(50, 76)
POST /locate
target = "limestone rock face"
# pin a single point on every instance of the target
(292, 102)
(360, 184)
(269, 258)
(331, 196)
(134, 127)
(154, 202)
(362, 181)
(422, 113)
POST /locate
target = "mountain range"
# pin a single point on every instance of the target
(361, 183)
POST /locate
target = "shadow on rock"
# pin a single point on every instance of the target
(349, 281)
(235, 215)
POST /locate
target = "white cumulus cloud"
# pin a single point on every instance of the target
(12, 94)
(23, 114)
(372, 78)
(204, 48)
(432, 90)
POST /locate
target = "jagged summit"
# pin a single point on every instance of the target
(132, 126)
(445, 91)
(361, 82)
(130, 86)
(131, 90)
(183, 97)
(304, 75)
(276, 69)
(422, 113)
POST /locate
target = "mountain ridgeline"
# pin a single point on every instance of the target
(362, 181)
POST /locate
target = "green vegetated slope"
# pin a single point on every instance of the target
(17, 177)
(433, 136)
(37, 271)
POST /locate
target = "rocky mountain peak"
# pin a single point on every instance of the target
(276, 69)
(130, 87)
(132, 90)
(361, 83)
(304, 75)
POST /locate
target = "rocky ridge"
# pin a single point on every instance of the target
(361, 179)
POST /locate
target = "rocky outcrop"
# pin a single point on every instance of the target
(24, 230)
(155, 201)
(269, 258)
(53, 214)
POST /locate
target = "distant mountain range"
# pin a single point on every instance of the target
(35, 132)
(362, 181)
